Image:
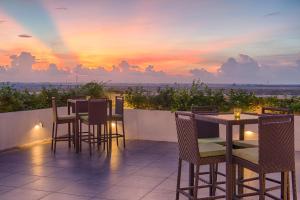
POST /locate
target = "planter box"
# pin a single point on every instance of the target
(18, 128)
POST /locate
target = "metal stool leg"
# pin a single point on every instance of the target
(294, 185)
(262, 186)
(178, 178)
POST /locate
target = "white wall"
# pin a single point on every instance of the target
(160, 126)
(17, 128)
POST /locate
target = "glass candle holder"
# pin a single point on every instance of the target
(237, 113)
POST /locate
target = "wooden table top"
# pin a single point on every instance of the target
(229, 119)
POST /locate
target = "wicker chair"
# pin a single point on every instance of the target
(97, 116)
(198, 154)
(272, 155)
(265, 110)
(57, 120)
(118, 116)
(207, 132)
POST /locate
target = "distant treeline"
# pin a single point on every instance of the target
(199, 94)
(165, 98)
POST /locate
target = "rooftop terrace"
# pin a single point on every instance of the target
(145, 170)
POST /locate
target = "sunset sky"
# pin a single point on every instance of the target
(249, 41)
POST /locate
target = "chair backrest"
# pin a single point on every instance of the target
(274, 110)
(206, 129)
(81, 106)
(276, 143)
(78, 98)
(97, 111)
(187, 137)
(119, 107)
(54, 109)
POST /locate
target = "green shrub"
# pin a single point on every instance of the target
(14, 100)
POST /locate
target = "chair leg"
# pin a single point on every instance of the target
(98, 136)
(123, 132)
(108, 138)
(196, 178)
(285, 189)
(215, 179)
(117, 136)
(55, 136)
(211, 181)
(74, 132)
(69, 135)
(178, 178)
(234, 180)
(80, 137)
(90, 140)
(240, 178)
(294, 185)
(104, 137)
(53, 124)
(262, 186)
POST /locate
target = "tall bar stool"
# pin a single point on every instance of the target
(97, 116)
(254, 143)
(208, 133)
(198, 154)
(275, 154)
(264, 110)
(118, 116)
(61, 119)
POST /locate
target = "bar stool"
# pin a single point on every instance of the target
(198, 154)
(97, 116)
(118, 116)
(61, 119)
(264, 110)
(275, 154)
(207, 132)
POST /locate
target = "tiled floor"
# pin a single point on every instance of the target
(145, 170)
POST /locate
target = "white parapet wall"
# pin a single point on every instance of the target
(19, 128)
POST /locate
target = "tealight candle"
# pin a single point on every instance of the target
(237, 113)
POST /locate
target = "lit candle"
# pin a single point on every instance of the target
(237, 113)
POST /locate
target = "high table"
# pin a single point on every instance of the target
(71, 103)
(228, 120)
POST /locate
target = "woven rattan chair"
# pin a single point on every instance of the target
(207, 132)
(118, 116)
(198, 154)
(276, 153)
(97, 116)
(57, 120)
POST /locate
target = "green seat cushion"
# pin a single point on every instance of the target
(84, 118)
(246, 143)
(250, 154)
(211, 149)
(117, 117)
(66, 117)
(212, 140)
(83, 114)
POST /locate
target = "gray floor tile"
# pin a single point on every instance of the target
(23, 194)
(59, 196)
(17, 180)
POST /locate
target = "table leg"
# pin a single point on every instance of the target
(191, 177)
(77, 146)
(229, 164)
(241, 169)
(69, 125)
